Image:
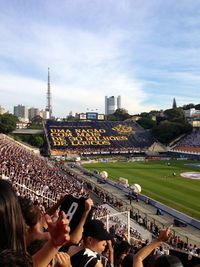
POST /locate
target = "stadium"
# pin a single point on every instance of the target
(106, 160)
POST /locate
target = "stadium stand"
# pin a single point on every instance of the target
(189, 144)
(35, 177)
(96, 137)
(44, 181)
(33, 173)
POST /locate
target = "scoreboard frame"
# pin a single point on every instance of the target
(92, 116)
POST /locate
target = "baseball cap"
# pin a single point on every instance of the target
(96, 229)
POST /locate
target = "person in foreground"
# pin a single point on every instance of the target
(162, 261)
(95, 240)
(12, 230)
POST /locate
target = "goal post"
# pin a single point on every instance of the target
(114, 218)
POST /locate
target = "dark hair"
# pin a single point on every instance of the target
(151, 260)
(31, 212)
(168, 261)
(120, 248)
(124, 247)
(12, 226)
(10, 258)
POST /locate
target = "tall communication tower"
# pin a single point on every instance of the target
(49, 105)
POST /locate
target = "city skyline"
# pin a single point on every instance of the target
(145, 51)
(112, 103)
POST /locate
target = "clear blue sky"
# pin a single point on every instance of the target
(147, 51)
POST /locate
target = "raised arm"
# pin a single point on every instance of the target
(111, 252)
(145, 251)
(76, 236)
(59, 233)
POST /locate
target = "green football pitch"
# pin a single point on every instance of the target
(158, 181)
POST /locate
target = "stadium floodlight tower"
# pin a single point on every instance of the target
(49, 105)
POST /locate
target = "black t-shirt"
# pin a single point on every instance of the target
(74, 208)
(84, 258)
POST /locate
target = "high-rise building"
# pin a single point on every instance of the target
(33, 112)
(21, 112)
(111, 104)
(119, 102)
(2, 110)
(44, 114)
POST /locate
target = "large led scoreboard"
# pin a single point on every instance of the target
(93, 116)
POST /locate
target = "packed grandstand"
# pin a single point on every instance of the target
(189, 144)
(44, 181)
(96, 137)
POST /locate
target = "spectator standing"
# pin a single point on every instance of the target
(162, 261)
(95, 238)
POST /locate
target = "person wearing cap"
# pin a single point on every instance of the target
(95, 238)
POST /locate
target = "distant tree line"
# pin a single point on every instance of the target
(34, 140)
(165, 126)
(31, 139)
(120, 114)
(8, 125)
(188, 106)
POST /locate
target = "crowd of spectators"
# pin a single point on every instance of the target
(44, 183)
(175, 241)
(142, 220)
(27, 170)
(189, 143)
(192, 139)
(118, 227)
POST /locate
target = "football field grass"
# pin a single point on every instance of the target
(158, 182)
